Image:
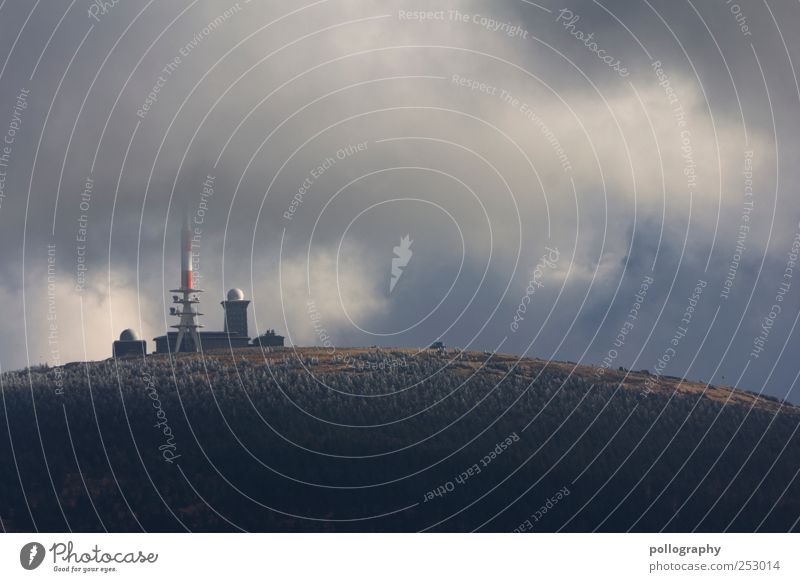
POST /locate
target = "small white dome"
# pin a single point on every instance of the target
(128, 336)
(235, 295)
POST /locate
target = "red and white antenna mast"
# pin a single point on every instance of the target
(187, 297)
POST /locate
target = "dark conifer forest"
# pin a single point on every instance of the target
(382, 440)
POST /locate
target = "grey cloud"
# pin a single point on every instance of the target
(602, 261)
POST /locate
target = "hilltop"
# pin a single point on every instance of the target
(364, 360)
(375, 439)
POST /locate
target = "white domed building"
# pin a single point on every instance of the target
(129, 345)
(236, 313)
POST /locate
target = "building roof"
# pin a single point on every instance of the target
(235, 295)
(128, 336)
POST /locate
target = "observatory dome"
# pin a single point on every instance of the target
(128, 336)
(235, 295)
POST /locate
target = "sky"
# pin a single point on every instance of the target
(611, 183)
